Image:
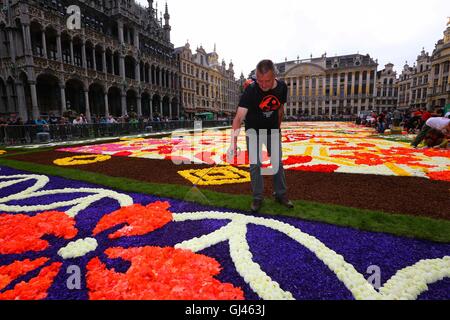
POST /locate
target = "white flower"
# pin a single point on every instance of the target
(78, 248)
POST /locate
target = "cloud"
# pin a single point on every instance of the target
(247, 31)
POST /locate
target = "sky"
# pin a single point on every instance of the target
(247, 31)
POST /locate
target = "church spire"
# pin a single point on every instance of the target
(166, 16)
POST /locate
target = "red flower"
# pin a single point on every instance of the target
(393, 155)
(155, 273)
(162, 150)
(36, 288)
(327, 168)
(395, 151)
(20, 233)
(367, 145)
(369, 159)
(444, 153)
(166, 149)
(440, 175)
(206, 157)
(297, 137)
(297, 160)
(141, 220)
(17, 269)
(123, 154)
(158, 274)
(345, 148)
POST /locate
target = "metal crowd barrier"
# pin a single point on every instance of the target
(323, 118)
(30, 134)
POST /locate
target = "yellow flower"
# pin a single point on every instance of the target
(216, 176)
(81, 160)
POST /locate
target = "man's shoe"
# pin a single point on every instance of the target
(256, 205)
(283, 200)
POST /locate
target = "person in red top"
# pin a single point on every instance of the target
(417, 113)
(425, 115)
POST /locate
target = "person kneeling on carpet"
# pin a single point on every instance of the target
(436, 139)
(441, 124)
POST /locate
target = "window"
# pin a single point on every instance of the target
(436, 70)
(349, 77)
(446, 66)
(364, 76)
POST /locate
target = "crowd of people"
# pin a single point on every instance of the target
(14, 130)
(431, 127)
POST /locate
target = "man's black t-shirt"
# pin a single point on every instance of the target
(263, 106)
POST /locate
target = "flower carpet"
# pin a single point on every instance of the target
(139, 246)
(307, 146)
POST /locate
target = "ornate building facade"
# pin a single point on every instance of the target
(386, 89)
(413, 83)
(120, 60)
(341, 85)
(439, 80)
(420, 78)
(206, 85)
(427, 83)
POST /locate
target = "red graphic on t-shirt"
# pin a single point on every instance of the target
(269, 103)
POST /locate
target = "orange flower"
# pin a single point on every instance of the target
(346, 148)
(297, 160)
(327, 168)
(393, 155)
(444, 153)
(18, 268)
(155, 273)
(158, 274)
(20, 233)
(36, 288)
(367, 145)
(141, 220)
(440, 175)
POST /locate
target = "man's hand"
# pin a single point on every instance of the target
(233, 151)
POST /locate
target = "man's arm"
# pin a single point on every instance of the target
(280, 115)
(237, 122)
